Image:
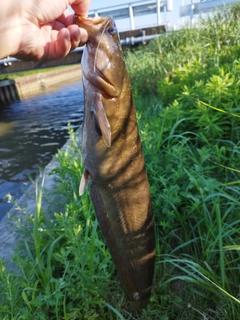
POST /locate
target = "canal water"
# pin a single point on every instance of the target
(31, 132)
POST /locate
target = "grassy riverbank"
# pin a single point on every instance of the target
(186, 87)
(30, 72)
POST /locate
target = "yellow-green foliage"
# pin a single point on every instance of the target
(186, 87)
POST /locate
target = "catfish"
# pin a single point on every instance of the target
(114, 162)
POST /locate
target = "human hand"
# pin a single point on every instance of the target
(41, 29)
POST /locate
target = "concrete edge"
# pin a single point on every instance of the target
(9, 223)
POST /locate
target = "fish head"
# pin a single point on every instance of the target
(102, 63)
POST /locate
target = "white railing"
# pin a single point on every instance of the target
(135, 9)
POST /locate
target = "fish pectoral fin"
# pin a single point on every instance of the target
(84, 182)
(102, 121)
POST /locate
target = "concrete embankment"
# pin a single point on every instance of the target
(33, 85)
(36, 84)
(9, 225)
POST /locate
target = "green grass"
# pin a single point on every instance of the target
(186, 88)
(29, 72)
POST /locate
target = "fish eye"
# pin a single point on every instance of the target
(112, 31)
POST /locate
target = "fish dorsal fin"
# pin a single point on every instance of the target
(102, 121)
(84, 181)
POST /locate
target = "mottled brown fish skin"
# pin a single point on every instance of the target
(114, 162)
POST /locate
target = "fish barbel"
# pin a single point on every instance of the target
(113, 160)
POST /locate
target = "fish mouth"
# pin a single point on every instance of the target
(107, 85)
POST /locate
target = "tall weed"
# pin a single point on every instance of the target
(64, 266)
(190, 129)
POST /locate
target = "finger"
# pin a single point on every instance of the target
(58, 25)
(74, 36)
(84, 36)
(63, 43)
(66, 18)
(80, 7)
(59, 48)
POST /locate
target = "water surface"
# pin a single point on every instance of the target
(32, 132)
